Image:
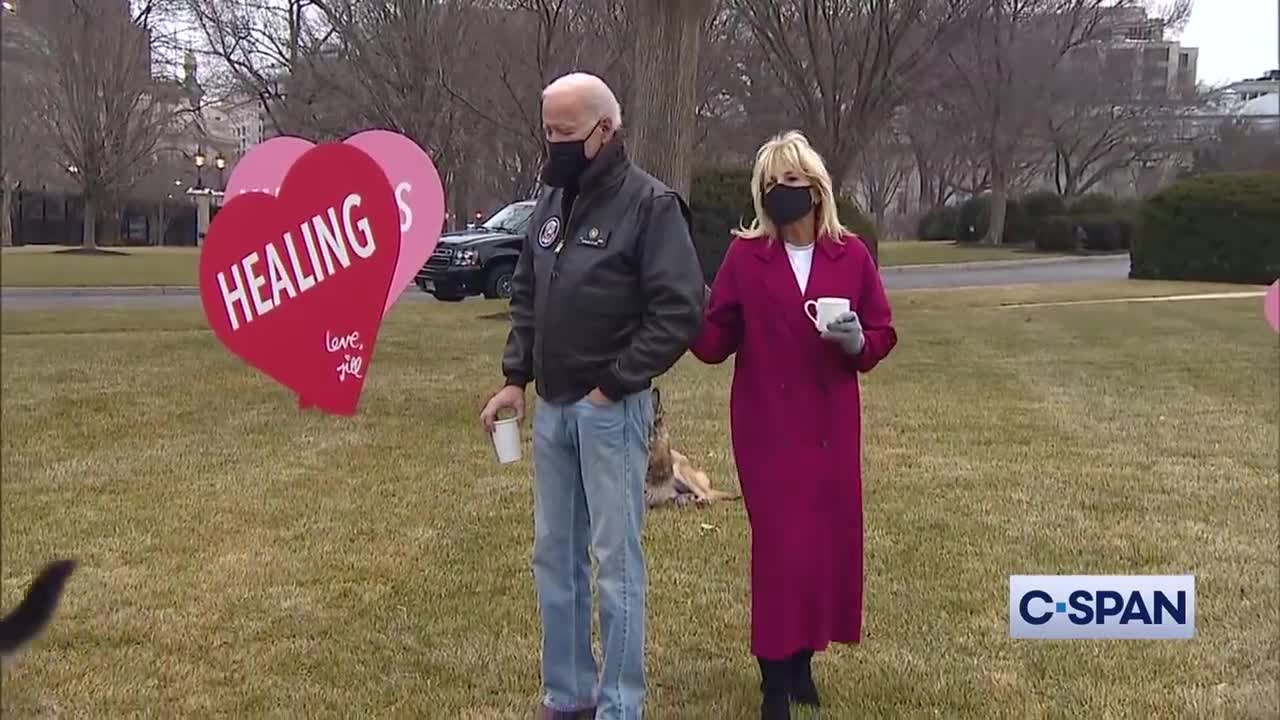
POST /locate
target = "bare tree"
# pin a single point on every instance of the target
(846, 65)
(19, 127)
(726, 130)
(668, 37)
(530, 43)
(881, 171)
(264, 48)
(1098, 123)
(167, 175)
(105, 113)
(1005, 72)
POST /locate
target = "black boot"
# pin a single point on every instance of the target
(775, 686)
(803, 690)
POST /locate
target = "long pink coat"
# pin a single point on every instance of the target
(797, 434)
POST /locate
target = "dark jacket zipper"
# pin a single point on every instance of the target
(555, 274)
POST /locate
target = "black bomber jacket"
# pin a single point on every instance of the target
(608, 290)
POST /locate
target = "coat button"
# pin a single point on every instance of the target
(824, 443)
(782, 386)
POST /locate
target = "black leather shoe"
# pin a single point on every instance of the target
(803, 689)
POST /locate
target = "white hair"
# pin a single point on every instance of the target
(594, 92)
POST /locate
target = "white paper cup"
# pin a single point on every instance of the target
(506, 440)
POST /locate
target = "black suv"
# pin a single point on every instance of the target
(479, 260)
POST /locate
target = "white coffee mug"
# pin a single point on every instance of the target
(506, 440)
(825, 310)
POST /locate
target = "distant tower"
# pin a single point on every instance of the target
(190, 78)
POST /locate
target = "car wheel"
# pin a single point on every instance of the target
(498, 284)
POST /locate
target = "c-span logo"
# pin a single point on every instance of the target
(1102, 607)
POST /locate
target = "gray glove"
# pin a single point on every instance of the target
(846, 330)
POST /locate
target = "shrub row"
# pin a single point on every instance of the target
(1091, 222)
(720, 201)
(1216, 228)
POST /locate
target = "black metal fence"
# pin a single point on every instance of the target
(52, 218)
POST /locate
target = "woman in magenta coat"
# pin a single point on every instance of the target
(796, 412)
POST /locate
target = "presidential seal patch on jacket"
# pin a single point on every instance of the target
(549, 232)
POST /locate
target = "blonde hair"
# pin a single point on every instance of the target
(791, 151)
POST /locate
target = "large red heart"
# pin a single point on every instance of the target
(295, 284)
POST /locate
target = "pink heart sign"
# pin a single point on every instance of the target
(295, 283)
(413, 176)
(419, 194)
(263, 167)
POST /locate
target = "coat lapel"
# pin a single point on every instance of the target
(824, 278)
(782, 290)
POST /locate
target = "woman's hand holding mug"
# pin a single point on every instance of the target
(846, 330)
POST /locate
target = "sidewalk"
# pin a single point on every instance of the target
(1142, 299)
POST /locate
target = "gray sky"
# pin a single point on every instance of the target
(1237, 38)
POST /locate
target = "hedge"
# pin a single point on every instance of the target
(720, 201)
(1041, 218)
(1103, 233)
(1043, 204)
(1057, 234)
(1094, 204)
(1216, 228)
(940, 223)
(975, 220)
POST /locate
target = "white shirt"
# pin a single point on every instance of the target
(801, 261)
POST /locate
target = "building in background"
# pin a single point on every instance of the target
(1246, 90)
(249, 123)
(1140, 56)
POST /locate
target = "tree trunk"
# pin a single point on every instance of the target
(999, 208)
(6, 207)
(160, 227)
(668, 37)
(925, 178)
(89, 237)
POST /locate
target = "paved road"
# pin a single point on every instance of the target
(1017, 272)
(1059, 270)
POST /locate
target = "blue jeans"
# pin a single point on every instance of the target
(589, 467)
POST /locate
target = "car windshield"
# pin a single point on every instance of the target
(513, 218)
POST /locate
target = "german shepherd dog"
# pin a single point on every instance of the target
(26, 621)
(672, 478)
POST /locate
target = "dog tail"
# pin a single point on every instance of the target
(30, 617)
(711, 494)
(718, 495)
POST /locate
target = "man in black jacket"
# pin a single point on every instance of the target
(607, 295)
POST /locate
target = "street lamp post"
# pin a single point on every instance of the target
(220, 162)
(200, 161)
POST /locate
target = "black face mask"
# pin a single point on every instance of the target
(785, 204)
(566, 161)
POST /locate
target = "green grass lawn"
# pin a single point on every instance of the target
(40, 267)
(913, 252)
(242, 559)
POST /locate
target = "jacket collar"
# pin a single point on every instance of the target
(769, 247)
(606, 169)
